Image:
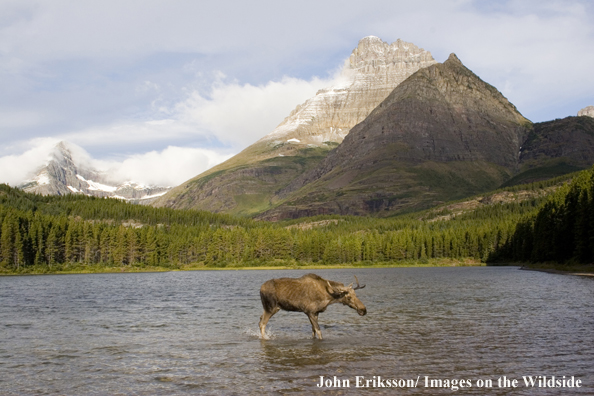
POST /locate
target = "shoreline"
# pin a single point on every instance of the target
(130, 270)
(586, 271)
(557, 271)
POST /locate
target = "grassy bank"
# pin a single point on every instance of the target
(76, 268)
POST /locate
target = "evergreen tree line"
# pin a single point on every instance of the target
(562, 231)
(50, 231)
(110, 209)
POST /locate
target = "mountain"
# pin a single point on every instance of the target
(587, 111)
(554, 148)
(64, 173)
(246, 184)
(443, 134)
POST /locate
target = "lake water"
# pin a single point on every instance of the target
(181, 333)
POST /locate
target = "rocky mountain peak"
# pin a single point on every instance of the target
(60, 152)
(373, 54)
(67, 157)
(587, 111)
(68, 171)
(371, 72)
(454, 59)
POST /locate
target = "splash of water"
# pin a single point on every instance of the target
(256, 333)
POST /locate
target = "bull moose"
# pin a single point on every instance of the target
(310, 294)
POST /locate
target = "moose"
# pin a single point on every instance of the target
(310, 294)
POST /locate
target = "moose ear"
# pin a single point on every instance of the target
(336, 291)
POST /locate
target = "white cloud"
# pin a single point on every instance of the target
(112, 28)
(170, 167)
(239, 114)
(232, 114)
(14, 169)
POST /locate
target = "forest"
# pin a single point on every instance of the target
(562, 231)
(51, 233)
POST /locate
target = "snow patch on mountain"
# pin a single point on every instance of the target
(43, 179)
(95, 186)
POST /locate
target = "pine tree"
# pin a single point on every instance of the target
(52, 248)
(7, 240)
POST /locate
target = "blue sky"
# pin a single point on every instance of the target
(162, 90)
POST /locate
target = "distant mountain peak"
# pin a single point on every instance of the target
(68, 171)
(61, 146)
(370, 38)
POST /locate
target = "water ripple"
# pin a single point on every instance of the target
(197, 332)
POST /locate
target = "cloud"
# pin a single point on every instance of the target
(115, 30)
(228, 114)
(14, 169)
(169, 167)
(239, 114)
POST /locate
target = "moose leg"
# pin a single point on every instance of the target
(315, 328)
(264, 320)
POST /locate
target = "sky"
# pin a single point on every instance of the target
(160, 91)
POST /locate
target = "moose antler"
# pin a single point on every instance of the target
(358, 286)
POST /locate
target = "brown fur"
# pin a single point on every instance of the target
(310, 294)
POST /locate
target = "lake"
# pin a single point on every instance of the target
(429, 330)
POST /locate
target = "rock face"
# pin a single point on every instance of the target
(63, 174)
(246, 184)
(440, 135)
(587, 111)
